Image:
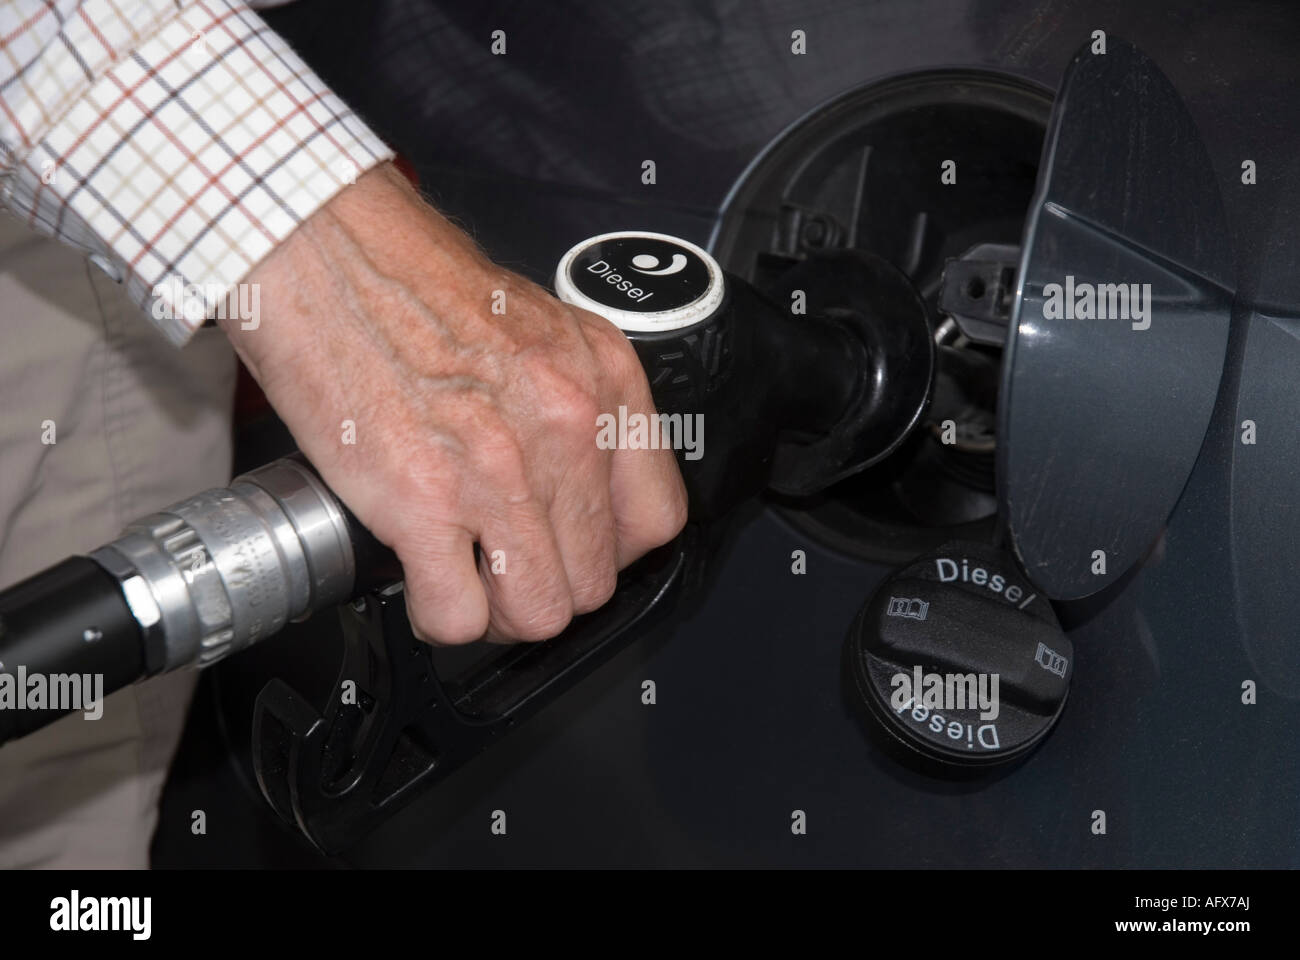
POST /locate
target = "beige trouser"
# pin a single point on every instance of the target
(137, 425)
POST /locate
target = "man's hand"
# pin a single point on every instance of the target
(469, 426)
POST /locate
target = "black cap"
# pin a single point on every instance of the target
(965, 617)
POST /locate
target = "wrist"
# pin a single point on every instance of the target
(376, 242)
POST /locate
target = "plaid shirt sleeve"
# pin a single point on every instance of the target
(176, 142)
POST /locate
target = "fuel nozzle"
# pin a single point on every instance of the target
(796, 396)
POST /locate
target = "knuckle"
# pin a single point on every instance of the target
(669, 518)
(618, 358)
(594, 589)
(677, 512)
(579, 416)
(496, 452)
(542, 621)
(655, 524)
(565, 395)
(451, 627)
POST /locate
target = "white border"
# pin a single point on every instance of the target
(630, 321)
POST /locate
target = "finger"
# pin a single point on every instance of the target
(445, 599)
(582, 517)
(523, 574)
(649, 501)
(646, 489)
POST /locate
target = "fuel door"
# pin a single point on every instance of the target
(1119, 328)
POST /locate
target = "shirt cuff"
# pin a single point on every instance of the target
(189, 159)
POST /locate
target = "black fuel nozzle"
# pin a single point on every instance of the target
(795, 396)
